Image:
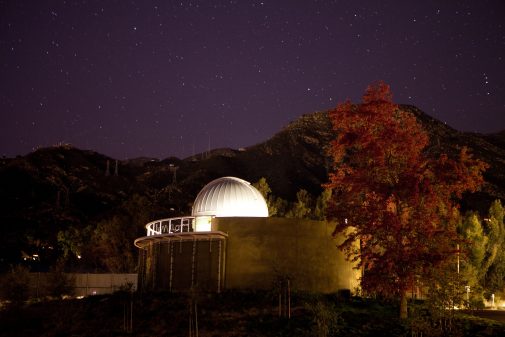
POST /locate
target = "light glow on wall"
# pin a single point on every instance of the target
(203, 224)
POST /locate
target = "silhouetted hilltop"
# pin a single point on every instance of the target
(53, 188)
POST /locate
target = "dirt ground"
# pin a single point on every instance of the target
(497, 315)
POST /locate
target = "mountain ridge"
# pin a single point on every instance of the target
(55, 188)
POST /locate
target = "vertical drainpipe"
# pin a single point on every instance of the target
(219, 269)
(142, 265)
(171, 263)
(193, 264)
(38, 283)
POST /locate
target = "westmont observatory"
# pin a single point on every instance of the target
(229, 242)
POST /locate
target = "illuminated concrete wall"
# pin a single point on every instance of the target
(259, 250)
(254, 253)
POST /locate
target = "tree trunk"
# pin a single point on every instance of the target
(403, 306)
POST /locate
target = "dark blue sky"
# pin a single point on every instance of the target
(163, 78)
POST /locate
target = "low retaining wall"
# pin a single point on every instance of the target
(85, 284)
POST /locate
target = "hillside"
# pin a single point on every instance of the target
(55, 188)
(296, 157)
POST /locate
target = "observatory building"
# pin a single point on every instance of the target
(229, 242)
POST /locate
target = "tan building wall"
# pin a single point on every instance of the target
(261, 250)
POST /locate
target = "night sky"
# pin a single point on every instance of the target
(167, 78)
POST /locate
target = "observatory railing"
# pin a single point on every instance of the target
(170, 226)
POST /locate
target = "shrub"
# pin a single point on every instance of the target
(15, 285)
(59, 284)
(325, 319)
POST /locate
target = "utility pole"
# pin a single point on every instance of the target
(173, 169)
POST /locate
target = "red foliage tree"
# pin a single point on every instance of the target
(390, 197)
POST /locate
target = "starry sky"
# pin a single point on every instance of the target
(173, 78)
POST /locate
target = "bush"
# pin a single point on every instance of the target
(15, 285)
(477, 304)
(325, 319)
(59, 284)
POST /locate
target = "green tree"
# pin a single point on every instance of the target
(446, 292)
(497, 212)
(302, 207)
(495, 255)
(262, 186)
(322, 204)
(72, 240)
(473, 231)
(473, 253)
(277, 206)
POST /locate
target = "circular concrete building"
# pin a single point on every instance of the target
(230, 242)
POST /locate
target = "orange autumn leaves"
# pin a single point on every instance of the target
(399, 203)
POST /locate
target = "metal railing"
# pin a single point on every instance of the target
(170, 226)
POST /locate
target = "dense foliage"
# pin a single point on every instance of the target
(304, 207)
(483, 257)
(392, 198)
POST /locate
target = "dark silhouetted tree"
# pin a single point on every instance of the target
(113, 237)
(59, 284)
(390, 197)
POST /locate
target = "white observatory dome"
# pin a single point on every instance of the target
(230, 197)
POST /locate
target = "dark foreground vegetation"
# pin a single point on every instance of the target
(232, 314)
